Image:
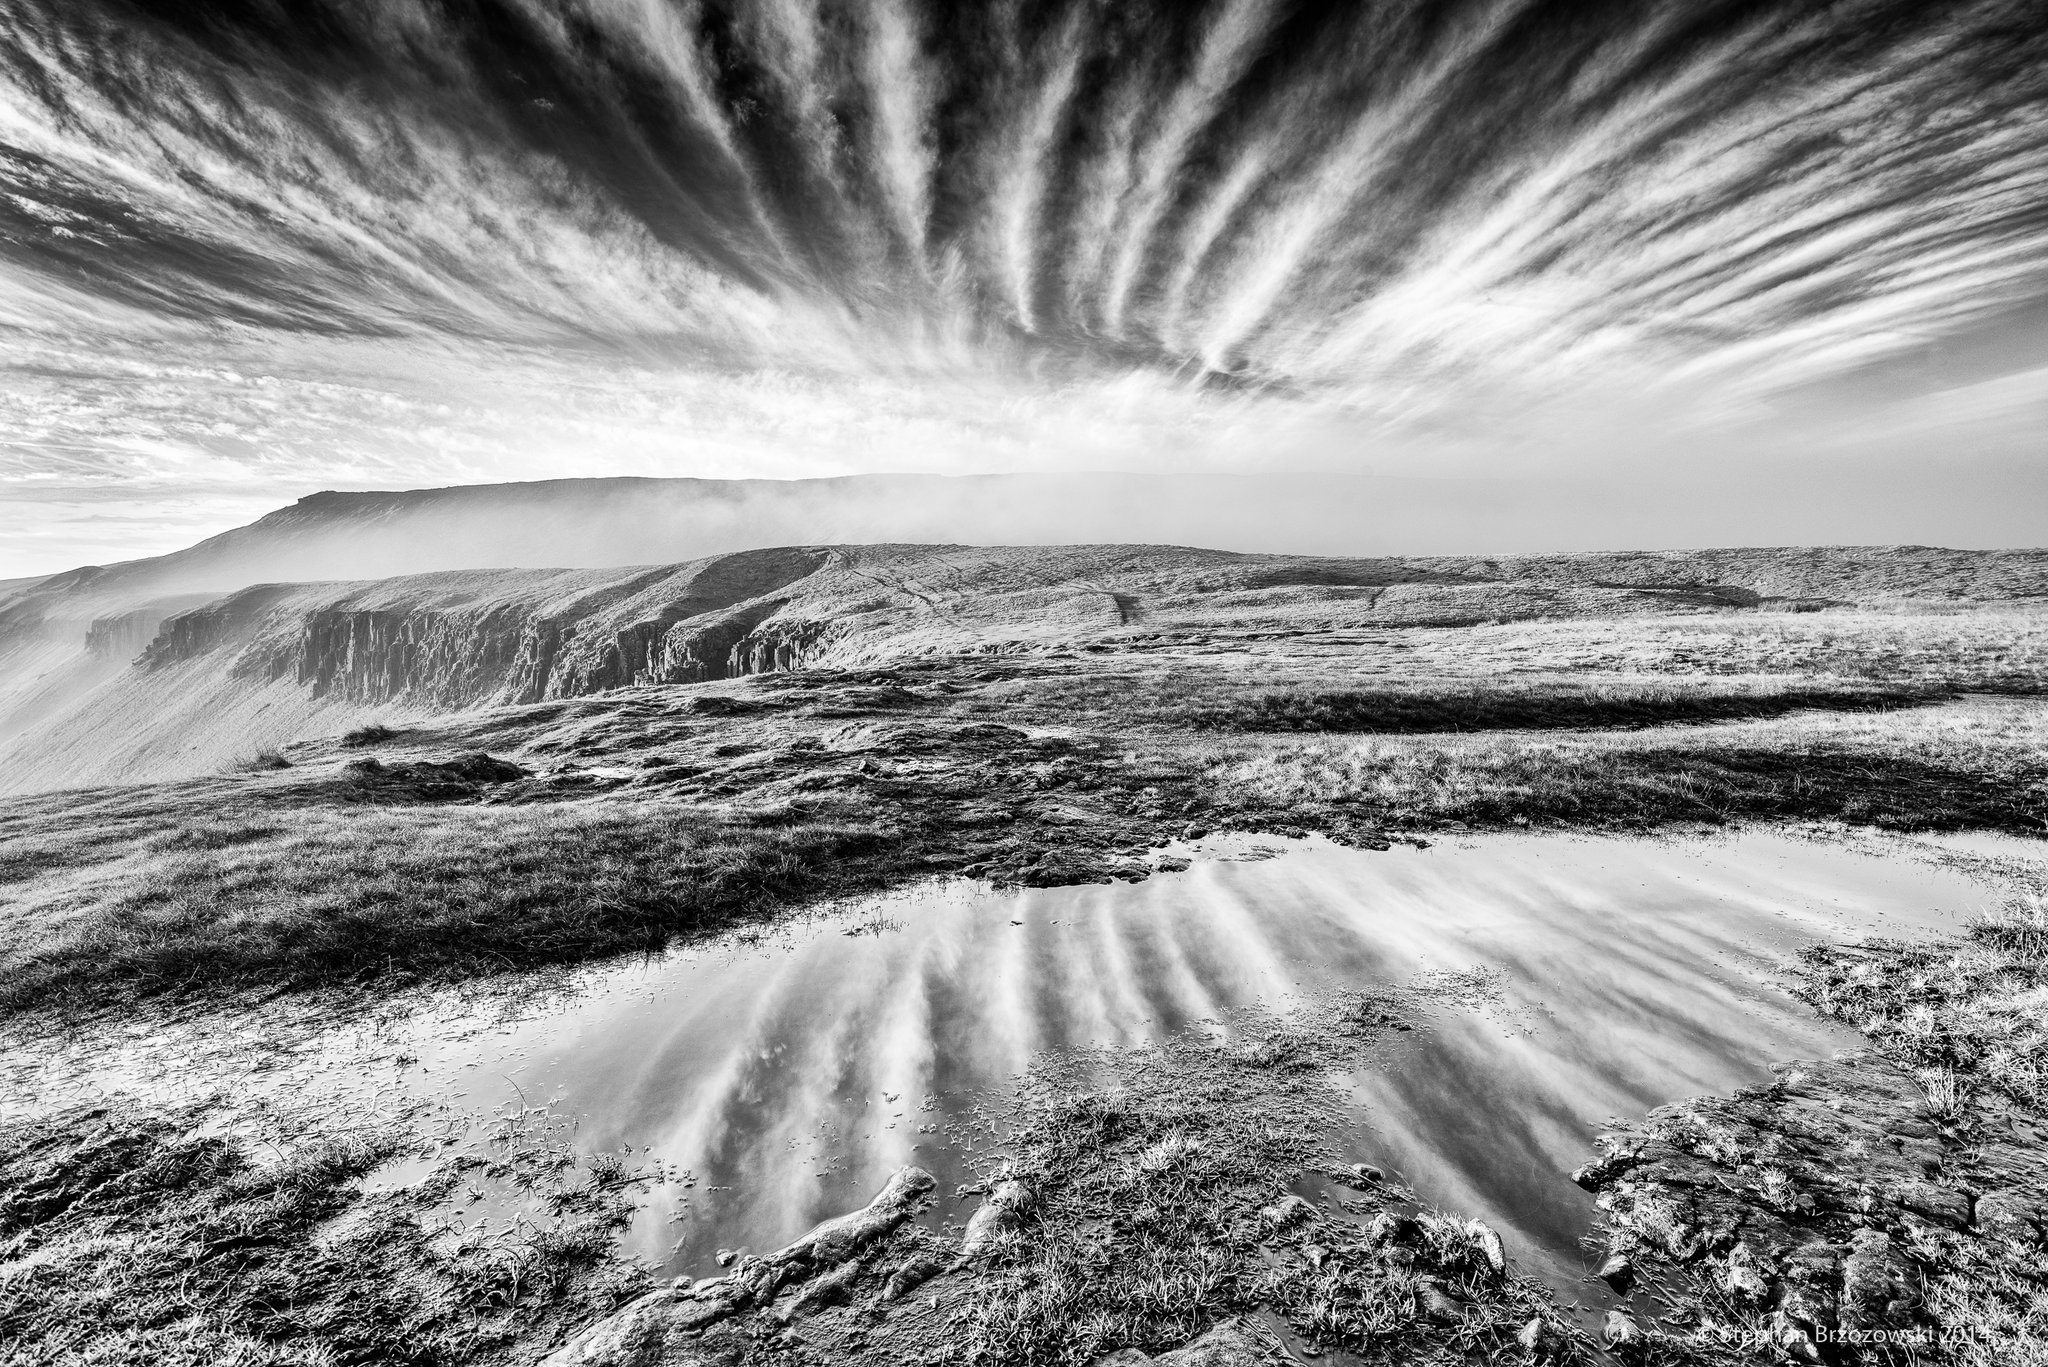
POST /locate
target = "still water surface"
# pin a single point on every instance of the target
(789, 1077)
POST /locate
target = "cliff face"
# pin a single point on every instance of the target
(452, 641)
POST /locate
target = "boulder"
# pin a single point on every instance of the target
(634, 1336)
(1233, 1343)
(836, 1240)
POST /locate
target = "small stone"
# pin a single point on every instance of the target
(1438, 1304)
(1388, 1228)
(997, 1217)
(1536, 1337)
(1287, 1211)
(1367, 1173)
(1744, 1283)
(1792, 1340)
(1621, 1330)
(1618, 1272)
(909, 1277)
(725, 1257)
(1489, 1246)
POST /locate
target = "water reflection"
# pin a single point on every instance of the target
(790, 1078)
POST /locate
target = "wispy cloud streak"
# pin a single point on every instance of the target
(1414, 213)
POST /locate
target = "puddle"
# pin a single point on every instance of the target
(775, 1083)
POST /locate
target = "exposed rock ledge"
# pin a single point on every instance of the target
(656, 1329)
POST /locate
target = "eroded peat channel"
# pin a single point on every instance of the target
(1337, 1101)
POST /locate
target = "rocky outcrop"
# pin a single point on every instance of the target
(123, 635)
(232, 620)
(813, 1270)
(451, 642)
(1750, 1198)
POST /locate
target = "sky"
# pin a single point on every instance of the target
(254, 248)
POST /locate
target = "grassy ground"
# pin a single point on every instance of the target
(614, 824)
(1976, 764)
(1161, 1206)
(316, 894)
(134, 1234)
(395, 856)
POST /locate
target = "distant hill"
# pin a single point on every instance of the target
(168, 679)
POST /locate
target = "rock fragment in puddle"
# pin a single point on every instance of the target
(1618, 1272)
